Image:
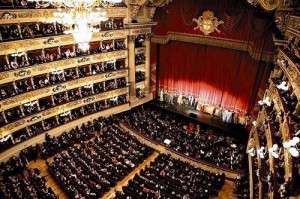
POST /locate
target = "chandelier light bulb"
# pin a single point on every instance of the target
(293, 142)
(251, 152)
(80, 17)
(294, 152)
(286, 145)
(296, 140)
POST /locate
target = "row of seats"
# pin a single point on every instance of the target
(167, 177)
(46, 55)
(91, 169)
(17, 181)
(21, 86)
(241, 186)
(26, 184)
(61, 119)
(11, 32)
(36, 106)
(187, 138)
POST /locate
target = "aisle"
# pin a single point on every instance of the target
(50, 181)
(130, 176)
(227, 190)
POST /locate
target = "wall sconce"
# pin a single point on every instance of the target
(266, 101)
(283, 86)
(251, 152)
(262, 152)
(292, 146)
(274, 150)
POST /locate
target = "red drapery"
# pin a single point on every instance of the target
(216, 76)
(242, 22)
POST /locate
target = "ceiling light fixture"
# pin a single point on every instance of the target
(80, 17)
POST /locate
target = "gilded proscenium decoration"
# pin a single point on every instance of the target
(207, 23)
(134, 10)
(151, 12)
(269, 4)
(159, 3)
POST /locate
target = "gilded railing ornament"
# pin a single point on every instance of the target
(207, 23)
(22, 73)
(8, 15)
(134, 10)
(51, 40)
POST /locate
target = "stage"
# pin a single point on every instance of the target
(235, 130)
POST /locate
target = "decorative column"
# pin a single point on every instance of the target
(131, 63)
(147, 64)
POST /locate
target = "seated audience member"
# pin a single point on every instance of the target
(160, 125)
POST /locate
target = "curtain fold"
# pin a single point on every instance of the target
(216, 76)
(242, 22)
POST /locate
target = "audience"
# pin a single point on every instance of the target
(185, 138)
(167, 177)
(241, 186)
(89, 170)
(140, 76)
(140, 59)
(21, 135)
(17, 181)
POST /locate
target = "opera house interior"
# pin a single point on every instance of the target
(150, 99)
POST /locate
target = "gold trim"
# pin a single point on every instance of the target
(22, 123)
(39, 69)
(57, 40)
(207, 23)
(265, 4)
(212, 41)
(15, 150)
(39, 15)
(44, 92)
(163, 149)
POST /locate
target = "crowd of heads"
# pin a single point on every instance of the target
(52, 122)
(186, 137)
(91, 158)
(40, 56)
(38, 105)
(91, 169)
(241, 186)
(167, 177)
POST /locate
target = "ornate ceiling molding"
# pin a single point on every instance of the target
(158, 3)
(151, 5)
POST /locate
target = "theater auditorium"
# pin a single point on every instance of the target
(149, 99)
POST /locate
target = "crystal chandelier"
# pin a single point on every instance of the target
(80, 17)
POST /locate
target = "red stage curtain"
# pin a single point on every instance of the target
(214, 75)
(242, 22)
